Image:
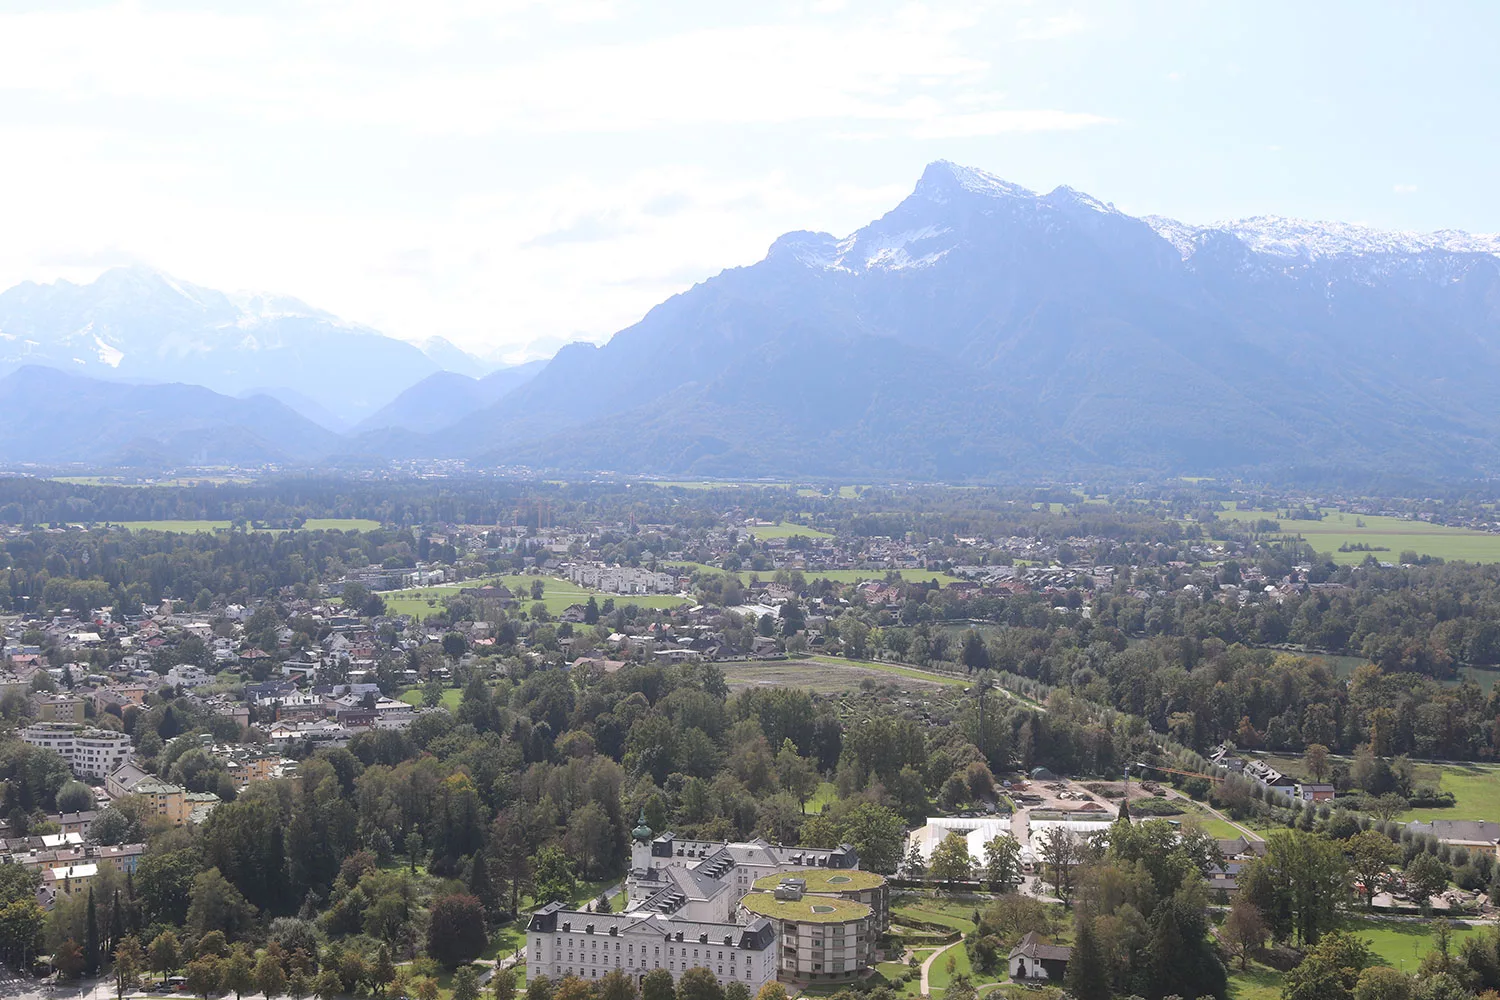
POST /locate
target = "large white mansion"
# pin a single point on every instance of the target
(686, 907)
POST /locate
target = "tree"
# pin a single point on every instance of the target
(75, 796)
(455, 933)
(1002, 862)
(589, 837)
(1245, 930)
(1298, 884)
(130, 959)
(616, 985)
(951, 861)
(1426, 876)
(796, 774)
(327, 984)
(216, 905)
(1371, 855)
(1315, 759)
(554, 876)
(425, 988)
(297, 985)
(736, 990)
(1059, 857)
(699, 983)
(1087, 976)
(916, 865)
(771, 991)
(466, 983)
(239, 972)
(166, 954)
(503, 984)
(384, 971)
(91, 956)
(1330, 971)
(213, 943)
(204, 975)
(540, 987)
(1381, 982)
(68, 960)
(657, 985)
(270, 978)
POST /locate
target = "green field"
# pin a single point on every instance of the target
(785, 530)
(1477, 790)
(1398, 942)
(830, 675)
(451, 698)
(1393, 534)
(1258, 982)
(557, 595)
(191, 527)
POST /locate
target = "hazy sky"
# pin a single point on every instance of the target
(515, 175)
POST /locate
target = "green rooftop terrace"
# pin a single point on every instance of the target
(825, 880)
(807, 910)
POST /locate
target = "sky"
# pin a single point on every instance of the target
(515, 175)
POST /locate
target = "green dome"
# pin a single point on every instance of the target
(641, 831)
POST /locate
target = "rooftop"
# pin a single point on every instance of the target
(825, 880)
(808, 909)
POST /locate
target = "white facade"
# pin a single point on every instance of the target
(563, 942)
(92, 753)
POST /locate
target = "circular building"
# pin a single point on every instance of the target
(819, 937)
(845, 883)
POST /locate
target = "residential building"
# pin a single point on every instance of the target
(1033, 960)
(91, 753)
(58, 708)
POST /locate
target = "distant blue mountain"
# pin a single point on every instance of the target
(981, 329)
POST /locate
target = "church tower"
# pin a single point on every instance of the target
(640, 843)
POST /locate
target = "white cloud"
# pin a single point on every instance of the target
(1404, 188)
(503, 174)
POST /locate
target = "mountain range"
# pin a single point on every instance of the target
(135, 324)
(977, 330)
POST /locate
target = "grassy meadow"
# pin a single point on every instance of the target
(1393, 535)
(557, 595)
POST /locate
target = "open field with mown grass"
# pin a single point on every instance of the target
(1392, 534)
(451, 698)
(785, 530)
(1476, 788)
(557, 595)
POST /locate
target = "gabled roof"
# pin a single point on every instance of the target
(1032, 946)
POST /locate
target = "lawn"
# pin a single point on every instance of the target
(1211, 825)
(1401, 943)
(826, 795)
(1393, 534)
(557, 595)
(785, 530)
(1258, 982)
(451, 698)
(1477, 790)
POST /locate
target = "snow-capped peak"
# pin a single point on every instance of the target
(1306, 240)
(942, 178)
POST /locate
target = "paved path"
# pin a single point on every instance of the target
(927, 965)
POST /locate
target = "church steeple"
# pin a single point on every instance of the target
(642, 829)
